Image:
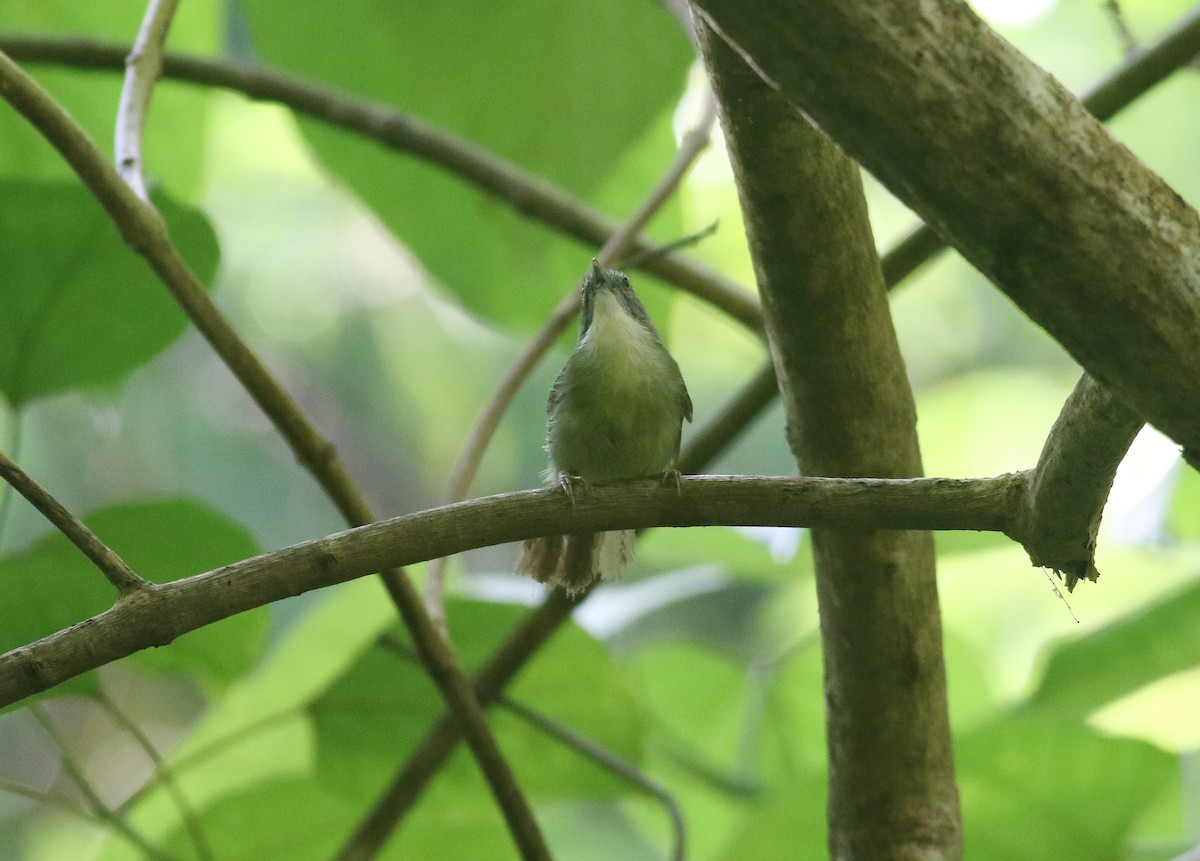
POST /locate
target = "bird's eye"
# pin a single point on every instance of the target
(625, 280)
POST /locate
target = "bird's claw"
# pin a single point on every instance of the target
(569, 483)
(673, 475)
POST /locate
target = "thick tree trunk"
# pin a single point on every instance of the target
(850, 413)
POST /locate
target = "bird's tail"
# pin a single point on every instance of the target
(575, 562)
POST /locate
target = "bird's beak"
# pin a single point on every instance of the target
(596, 271)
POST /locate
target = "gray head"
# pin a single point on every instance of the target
(599, 280)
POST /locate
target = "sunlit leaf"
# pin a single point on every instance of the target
(1045, 790)
(1152, 642)
(294, 819)
(787, 825)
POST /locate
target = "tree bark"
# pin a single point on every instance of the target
(1010, 168)
(850, 413)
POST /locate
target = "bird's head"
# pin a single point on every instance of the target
(602, 284)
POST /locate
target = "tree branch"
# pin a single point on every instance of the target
(892, 792)
(1005, 163)
(142, 68)
(159, 613)
(1139, 73)
(1074, 474)
(144, 230)
(531, 196)
(111, 565)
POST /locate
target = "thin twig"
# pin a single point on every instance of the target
(746, 405)
(530, 196)
(111, 565)
(1124, 35)
(15, 417)
(66, 805)
(144, 230)
(467, 465)
(164, 774)
(75, 771)
(598, 753)
(142, 68)
(609, 760)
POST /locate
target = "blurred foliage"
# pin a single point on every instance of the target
(384, 292)
(597, 73)
(92, 312)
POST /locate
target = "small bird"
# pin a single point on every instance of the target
(616, 412)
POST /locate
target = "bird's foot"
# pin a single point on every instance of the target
(673, 476)
(570, 484)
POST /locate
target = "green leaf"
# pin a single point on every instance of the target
(698, 699)
(176, 121)
(561, 88)
(1036, 790)
(1154, 641)
(300, 819)
(384, 705)
(295, 819)
(52, 585)
(457, 810)
(788, 825)
(258, 732)
(311, 655)
(80, 308)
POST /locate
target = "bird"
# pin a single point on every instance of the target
(615, 412)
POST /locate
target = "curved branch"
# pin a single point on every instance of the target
(157, 615)
(1139, 73)
(142, 68)
(1075, 472)
(529, 195)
